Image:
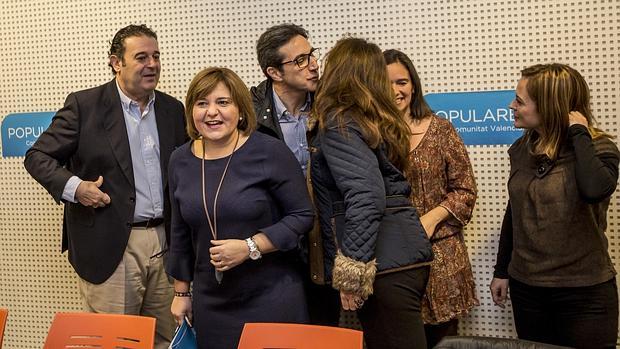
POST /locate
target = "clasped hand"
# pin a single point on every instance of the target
(227, 254)
(576, 118)
(499, 291)
(351, 301)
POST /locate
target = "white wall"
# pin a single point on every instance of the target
(50, 48)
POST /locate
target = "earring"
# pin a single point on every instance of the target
(240, 118)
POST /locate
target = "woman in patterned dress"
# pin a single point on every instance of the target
(444, 192)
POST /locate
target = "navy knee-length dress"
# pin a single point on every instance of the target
(264, 191)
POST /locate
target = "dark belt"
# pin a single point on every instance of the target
(153, 222)
(391, 201)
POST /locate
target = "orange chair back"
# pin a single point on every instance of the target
(89, 330)
(3, 315)
(297, 336)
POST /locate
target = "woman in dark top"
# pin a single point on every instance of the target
(553, 250)
(239, 208)
(376, 251)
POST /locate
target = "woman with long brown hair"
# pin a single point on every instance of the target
(376, 251)
(444, 193)
(553, 249)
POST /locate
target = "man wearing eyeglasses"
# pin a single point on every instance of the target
(282, 103)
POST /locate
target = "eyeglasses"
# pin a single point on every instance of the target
(303, 60)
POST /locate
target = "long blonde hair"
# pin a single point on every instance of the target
(556, 89)
(355, 85)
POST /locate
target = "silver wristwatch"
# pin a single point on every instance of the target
(254, 251)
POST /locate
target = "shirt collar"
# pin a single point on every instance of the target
(281, 111)
(127, 102)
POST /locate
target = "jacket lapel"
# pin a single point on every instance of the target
(165, 131)
(116, 130)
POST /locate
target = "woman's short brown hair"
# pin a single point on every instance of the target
(205, 82)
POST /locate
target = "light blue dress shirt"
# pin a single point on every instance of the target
(294, 129)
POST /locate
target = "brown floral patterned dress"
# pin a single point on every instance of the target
(441, 175)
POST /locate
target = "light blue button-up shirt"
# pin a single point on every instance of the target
(144, 147)
(294, 129)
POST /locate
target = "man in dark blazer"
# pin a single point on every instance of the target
(105, 155)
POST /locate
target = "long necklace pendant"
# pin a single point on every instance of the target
(213, 227)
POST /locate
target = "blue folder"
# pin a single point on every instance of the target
(184, 337)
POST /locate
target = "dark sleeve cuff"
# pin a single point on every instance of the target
(504, 251)
(578, 129)
(180, 266)
(500, 273)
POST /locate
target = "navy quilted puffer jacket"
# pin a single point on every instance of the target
(363, 204)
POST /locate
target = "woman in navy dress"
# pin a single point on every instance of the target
(239, 207)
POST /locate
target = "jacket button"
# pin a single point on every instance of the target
(128, 225)
(264, 117)
(541, 169)
(132, 199)
(314, 277)
(268, 110)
